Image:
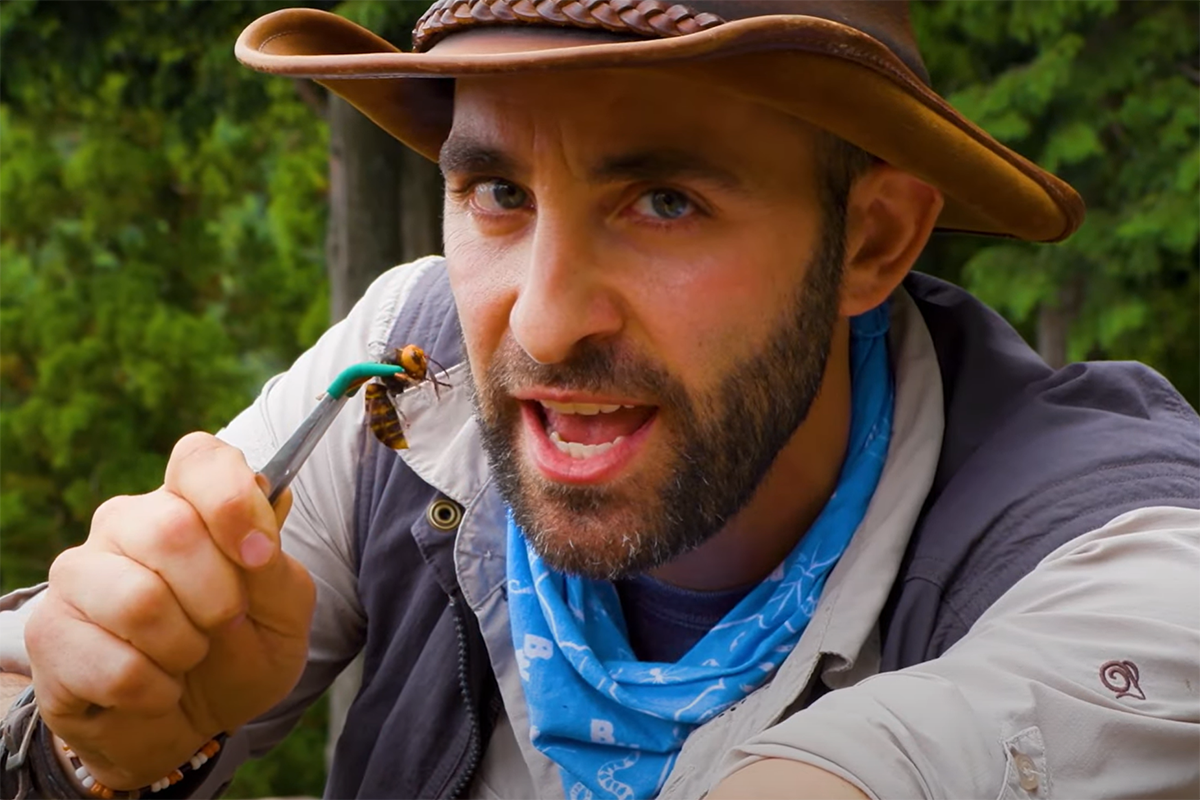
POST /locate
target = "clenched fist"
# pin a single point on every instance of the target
(177, 619)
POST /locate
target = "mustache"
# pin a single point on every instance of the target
(592, 366)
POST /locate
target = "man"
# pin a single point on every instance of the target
(719, 499)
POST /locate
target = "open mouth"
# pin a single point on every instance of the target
(586, 442)
(584, 430)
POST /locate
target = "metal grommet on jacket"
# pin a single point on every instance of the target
(444, 514)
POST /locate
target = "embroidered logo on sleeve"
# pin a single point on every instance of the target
(1121, 678)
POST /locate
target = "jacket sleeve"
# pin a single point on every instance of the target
(1081, 681)
(319, 531)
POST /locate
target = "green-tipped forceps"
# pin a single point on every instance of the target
(287, 461)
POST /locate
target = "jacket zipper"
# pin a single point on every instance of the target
(475, 748)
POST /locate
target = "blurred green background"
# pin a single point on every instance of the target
(174, 228)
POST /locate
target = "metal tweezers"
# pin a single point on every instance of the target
(287, 461)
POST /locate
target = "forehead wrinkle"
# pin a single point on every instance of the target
(498, 117)
(664, 164)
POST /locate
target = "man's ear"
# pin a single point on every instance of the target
(889, 217)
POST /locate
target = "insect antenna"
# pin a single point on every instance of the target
(433, 377)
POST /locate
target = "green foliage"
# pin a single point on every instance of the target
(162, 254)
(161, 244)
(393, 21)
(1105, 95)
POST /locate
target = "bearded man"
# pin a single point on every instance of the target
(717, 497)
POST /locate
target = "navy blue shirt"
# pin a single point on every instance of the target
(665, 622)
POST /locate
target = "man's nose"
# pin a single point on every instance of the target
(565, 295)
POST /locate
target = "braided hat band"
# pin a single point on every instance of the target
(652, 18)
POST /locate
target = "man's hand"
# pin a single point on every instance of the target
(779, 778)
(177, 619)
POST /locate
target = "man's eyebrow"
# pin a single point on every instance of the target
(665, 165)
(466, 155)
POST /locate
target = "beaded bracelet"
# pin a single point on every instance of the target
(97, 789)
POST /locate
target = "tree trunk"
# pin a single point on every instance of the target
(420, 206)
(1054, 324)
(384, 205)
(385, 208)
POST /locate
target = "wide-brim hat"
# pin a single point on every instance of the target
(852, 68)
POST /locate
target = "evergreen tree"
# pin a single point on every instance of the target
(161, 246)
(161, 254)
(1105, 95)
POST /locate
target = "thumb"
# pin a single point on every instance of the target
(280, 594)
(215, 479)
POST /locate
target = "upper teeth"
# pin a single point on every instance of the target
(582, 408)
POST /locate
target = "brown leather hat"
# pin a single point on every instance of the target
(852, 68)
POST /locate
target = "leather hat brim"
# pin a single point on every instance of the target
(825, 73)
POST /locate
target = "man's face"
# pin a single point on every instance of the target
(647, 293)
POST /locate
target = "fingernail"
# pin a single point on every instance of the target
(256, 549)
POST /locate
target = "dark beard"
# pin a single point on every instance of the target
(721, 445)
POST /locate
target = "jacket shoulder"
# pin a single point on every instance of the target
(1031, 458)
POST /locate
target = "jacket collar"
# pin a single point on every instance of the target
(444, 444)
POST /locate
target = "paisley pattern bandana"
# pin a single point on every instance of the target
(615, 725)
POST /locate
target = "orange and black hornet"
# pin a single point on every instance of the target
(384, 418)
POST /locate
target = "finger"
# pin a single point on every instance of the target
(215, 479)
(112, 675)
(132, 602)
(163, 532)
(281, 597)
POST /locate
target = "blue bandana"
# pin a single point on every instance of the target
(615, 725)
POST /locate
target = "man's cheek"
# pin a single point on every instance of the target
(476, 323)
(483, 311)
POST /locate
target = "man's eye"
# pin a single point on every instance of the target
(496, 196)
(664, 204)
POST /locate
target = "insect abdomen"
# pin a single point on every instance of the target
(383, 417)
